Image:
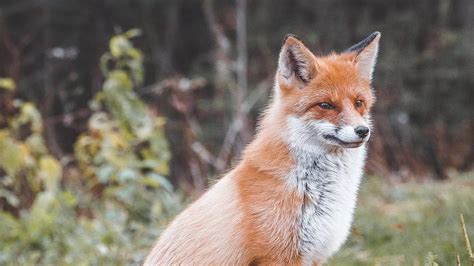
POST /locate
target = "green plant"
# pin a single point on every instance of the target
(124, 150)
(26, 167)
(111, 209)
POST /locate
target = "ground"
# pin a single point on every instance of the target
(408, 224)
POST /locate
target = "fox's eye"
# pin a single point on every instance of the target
(359, 103)
(326, 105)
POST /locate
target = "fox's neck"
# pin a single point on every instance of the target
(269, 151)
(326, 180)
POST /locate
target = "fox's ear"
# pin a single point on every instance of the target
(296, 65)
(366, 54)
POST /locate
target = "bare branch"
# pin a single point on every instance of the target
(241, 51)
(204, 154)
(236, 125)
(223, 62)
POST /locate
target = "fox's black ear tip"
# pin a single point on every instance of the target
(373, 36)
(364, 43)
(376, 34)
(288, 36)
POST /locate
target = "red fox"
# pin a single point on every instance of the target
(291, 199)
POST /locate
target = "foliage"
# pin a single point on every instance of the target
(25, 164)
(125, 144)
(111, 210)
(7, 84)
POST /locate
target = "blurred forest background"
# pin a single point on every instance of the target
(114, 114)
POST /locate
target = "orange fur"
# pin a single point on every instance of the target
(337, 82)
(251, 215)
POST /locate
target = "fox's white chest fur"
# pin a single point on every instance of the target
(329, 182)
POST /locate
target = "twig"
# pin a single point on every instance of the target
(196, 174)
(241, 89)
(223, 62)
(204, 154)
(223, 42)
(466, 238)
(236, 125)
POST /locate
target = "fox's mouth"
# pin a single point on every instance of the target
(343, 143)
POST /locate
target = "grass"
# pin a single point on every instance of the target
(410, 224)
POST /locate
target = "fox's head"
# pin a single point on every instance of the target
(326, 100)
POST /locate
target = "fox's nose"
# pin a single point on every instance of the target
(362, 131)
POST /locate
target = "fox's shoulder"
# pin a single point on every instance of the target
(209, 227)
(270, 211)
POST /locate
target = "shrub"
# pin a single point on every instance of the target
(111, 210)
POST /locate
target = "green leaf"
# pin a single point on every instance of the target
(104, 173)
(11, 198)
(68, 198)
(119, 45)
(7, 84)
(11, 154)
(29, 113)
(104, 64)
(431, 259)
(160, 180)
(117, 81)
(50, 172)
(126, 174)
(132, 33)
